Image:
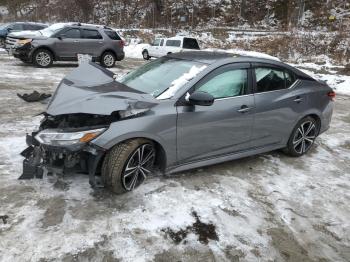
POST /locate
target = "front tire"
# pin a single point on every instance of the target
(2, 42)
(108, 59)
(43, 58)
(145, 55)
(127, 165)
(302, 137)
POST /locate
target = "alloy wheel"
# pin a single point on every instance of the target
(138, 167)
(43, 59)
(304, 137)
(108, 60)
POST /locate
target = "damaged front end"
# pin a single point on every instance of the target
(62, 146)
(80, 111)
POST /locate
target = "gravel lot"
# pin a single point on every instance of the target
(263, 208)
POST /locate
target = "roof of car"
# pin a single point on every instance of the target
(31, 23)
(211, 57)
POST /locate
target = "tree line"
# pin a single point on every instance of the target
(281, 14)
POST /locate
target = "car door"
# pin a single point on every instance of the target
(278, 104)
(68, 43)
(154, 48)
(225, 127)
(91, 42)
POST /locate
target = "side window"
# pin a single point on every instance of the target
(290, 78)
(156, 42)
(269, 79)
(28, 27)
(190, 43)
(112, 35)
(91, 34)
(226, 83)
(16, 27)
(72, 33)
(176, 43)
(162, 42)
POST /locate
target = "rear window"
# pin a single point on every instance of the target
(91, 34)
(176, 43)
(190, 43)
(112, 35)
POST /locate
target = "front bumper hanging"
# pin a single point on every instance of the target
(40, 159)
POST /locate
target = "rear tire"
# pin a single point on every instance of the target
(127, 165)
(302, 137)
(145, 55)
(108, 59)
(43, 58)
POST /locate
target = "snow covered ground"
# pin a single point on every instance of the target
(261, 208)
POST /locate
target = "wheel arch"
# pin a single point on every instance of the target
(108, 50)
(46, 48)
(161, 154)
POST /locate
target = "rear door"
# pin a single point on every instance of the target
(204, 132)
(278, 103)
(68, 43)
(91, 43)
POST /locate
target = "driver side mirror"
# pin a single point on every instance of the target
(60, 37)
(200, 98)
(9, 29)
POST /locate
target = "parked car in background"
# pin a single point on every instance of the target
(64, 41)
(179, 112)
(164, 46)
(5, 29)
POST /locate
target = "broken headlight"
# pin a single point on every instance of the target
(23, 42)
(55, 138)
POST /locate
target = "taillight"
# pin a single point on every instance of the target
(121, 43)
(331, 95)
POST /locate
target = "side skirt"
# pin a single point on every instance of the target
(221, 159)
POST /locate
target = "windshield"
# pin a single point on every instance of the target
(162, 77)
(3, 26)
(51, 30)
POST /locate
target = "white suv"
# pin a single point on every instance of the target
(163, 46)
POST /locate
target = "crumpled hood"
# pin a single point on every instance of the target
(91, 89)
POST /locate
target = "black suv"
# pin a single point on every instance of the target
(64, 41)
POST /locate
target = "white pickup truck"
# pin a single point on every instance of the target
(163, 46)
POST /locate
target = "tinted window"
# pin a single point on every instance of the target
(112, 35)
(176, 43)
(16, 26)
(290, 78)
(226, 83)
(162, 42)
(269, 79)
(91, 34)
(72, 33)
(190, 43)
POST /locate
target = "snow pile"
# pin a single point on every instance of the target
(181, 81)
(134, 51)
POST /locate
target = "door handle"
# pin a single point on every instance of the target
(243, 109)
(76, 41)
(298, 99)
